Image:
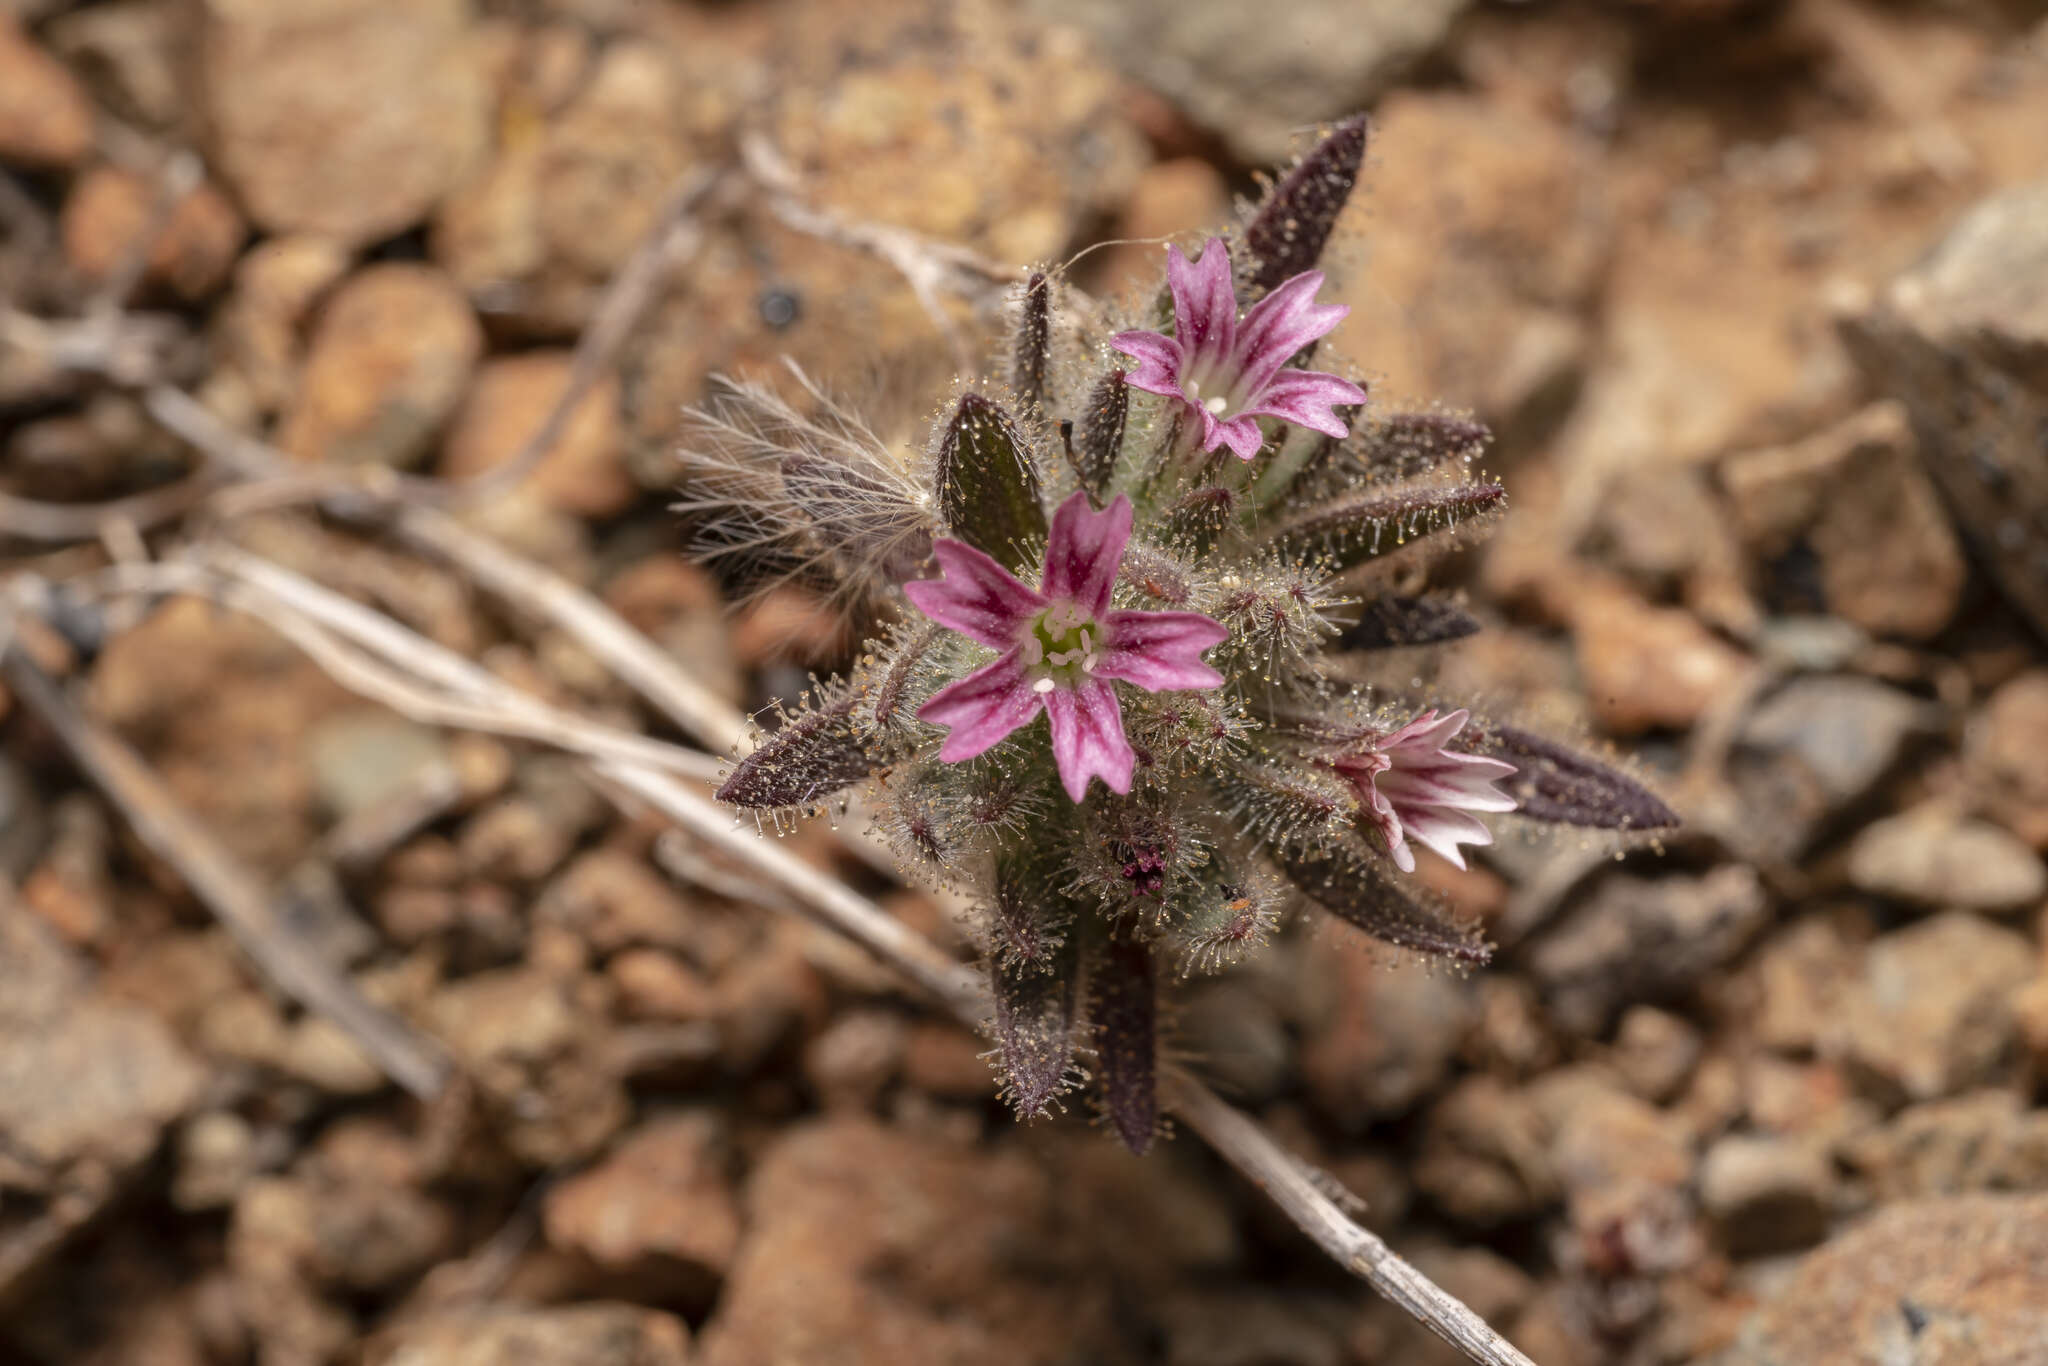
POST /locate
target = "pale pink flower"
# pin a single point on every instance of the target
(1225, 372)
(1415, 789)
(1062, 645)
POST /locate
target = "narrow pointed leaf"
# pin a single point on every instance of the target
(1289, 232)
(1351, 885)
(1123, 1008)
(1034, 341)
(987, 484)
(1391, 622)
(1351, 530)
(1410, 444)
(815, 755)
(1553, 782)
(1035, 1032)
(1102, 432)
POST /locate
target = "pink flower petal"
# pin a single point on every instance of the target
(976, 597)
(1088, 738)
(1303, 397)
(1240, 433)
(1204, 303)
(1159, 358)
(1281, 324)
(982, 708)
(1083, 551)
(1443, 829)
(1161, 651)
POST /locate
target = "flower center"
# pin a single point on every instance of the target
(1063, 645)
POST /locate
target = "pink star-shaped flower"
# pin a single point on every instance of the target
(1414, 788)
(1061, 647)
(1226, 372)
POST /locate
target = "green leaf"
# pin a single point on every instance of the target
(1362, 526)
(987, 485)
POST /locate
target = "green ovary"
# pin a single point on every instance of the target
(1062, 647)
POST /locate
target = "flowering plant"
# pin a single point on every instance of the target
(1213, 534)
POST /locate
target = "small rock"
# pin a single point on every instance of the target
(1643, 939)
(46, 120)
(657, 1213)
(109, 210)
(1766, 1194)
(1229, 1327)
(582, 472)
(1519, 251)
(390, 358)
(1485, 1158)
(2006, 752)
(1957, 336)
(129, 53)
(1648, 666)
(870, 1247)
(537, 1056)
(655, 985)
(1259, 84)
(852, 1059)
(351, 122)
(1931, 1012)
(1655, 1052)
(276, 284)
(615, 901)
(1389, 1037)
(1932, 857)
(1856, 494)
(1983, 1141)
(1813, 749)
(366, 756)
(87, 1087)
(1952, 1281)
(565, 1335)
(1625, 1168)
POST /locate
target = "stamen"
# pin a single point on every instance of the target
(1216, 405)
(1044, 685)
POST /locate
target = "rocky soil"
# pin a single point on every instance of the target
(1754, 294)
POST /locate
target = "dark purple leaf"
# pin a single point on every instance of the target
(814, 755)
(1123, 1009)
(1034, 341)
(1102, 431)
(1553, 782)
(1288, 234)
(1354, 886)
(1351, 530)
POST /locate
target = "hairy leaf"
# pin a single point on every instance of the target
(1035, 1030)
(1409, 444)
(813, 756)
(1351, 530)
(987, 484)
(1353, 886)
(1393, 621)
(1102, 432)
(1034, 341)
(1288, 234)
(1553, 782)
(1123, 1008)
(1230, 915)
